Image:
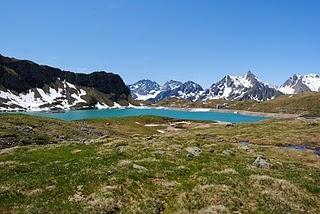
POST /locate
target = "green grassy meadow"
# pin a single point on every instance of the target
(141, 165)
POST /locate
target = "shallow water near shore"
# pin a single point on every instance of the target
(170, 113)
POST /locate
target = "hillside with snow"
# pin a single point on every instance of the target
(27, 86)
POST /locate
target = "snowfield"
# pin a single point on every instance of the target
(35, 99)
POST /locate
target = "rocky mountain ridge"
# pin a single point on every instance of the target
(25, 85)
(228, 88)
(171, 89)
(300, 84)
(246, 87)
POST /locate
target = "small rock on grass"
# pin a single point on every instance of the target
(245, 145)
(138, 167)
(261, 163)
(193, 151)
(228, 152)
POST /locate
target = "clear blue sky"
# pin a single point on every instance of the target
(199, 40)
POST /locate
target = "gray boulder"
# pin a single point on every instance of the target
(193, 151)
(261, 163)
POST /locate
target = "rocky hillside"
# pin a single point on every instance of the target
(25, 85)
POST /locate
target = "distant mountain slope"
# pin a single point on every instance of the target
(171, 85)
(152, 91)
(245, 87)
(301, 83)
(304, 103)
(188, 90)
(145, 89)
(26, 85)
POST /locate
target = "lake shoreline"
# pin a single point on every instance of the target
(235, 111)
(176, 113)
(232, 111)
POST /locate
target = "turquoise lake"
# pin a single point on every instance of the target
(170, 113)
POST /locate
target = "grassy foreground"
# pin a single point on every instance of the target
(141, 165)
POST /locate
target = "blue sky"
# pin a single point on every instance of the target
(199, 40)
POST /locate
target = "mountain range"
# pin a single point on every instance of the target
(246, 87)
(25, 85)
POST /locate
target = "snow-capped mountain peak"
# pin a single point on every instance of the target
(145, 89)
(188, 90)
(152, 91)
(145, 85)
(247, 86)
(301, 83)
(230, 87)
(171, 85)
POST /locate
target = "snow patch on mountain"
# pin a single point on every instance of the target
(287, 89)
(312, 81)
(152, 94)
(241, 81)
(35, 99)
(101, 106)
